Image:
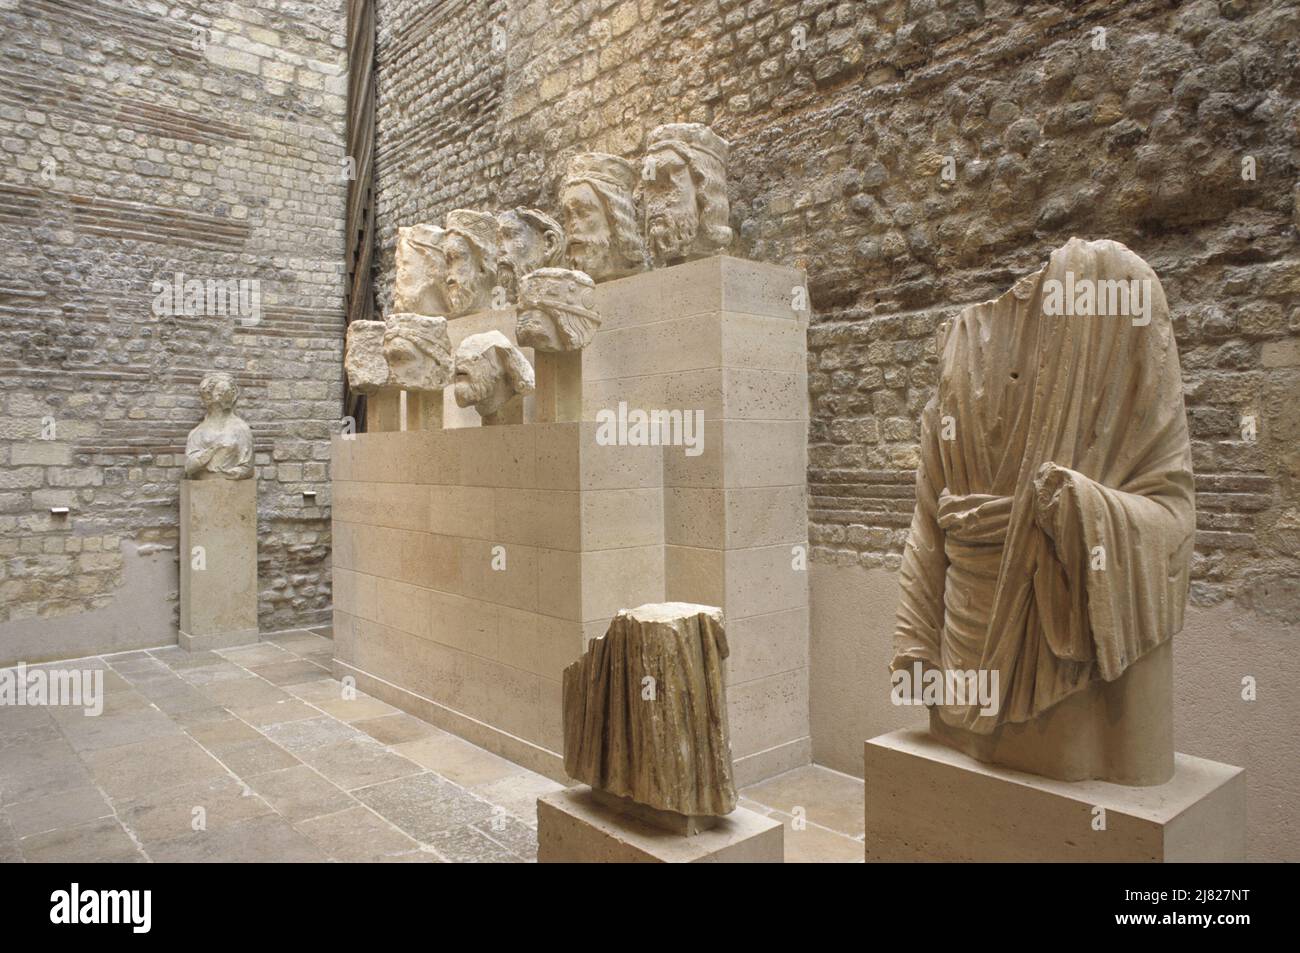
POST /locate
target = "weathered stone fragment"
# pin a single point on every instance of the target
(363, 357)
(645, 710)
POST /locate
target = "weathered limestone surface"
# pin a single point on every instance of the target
(418, 352)
(419, 271)
(645, 712)
(218, 563)
(221, 446)
(684, 193)
(363, 357)
(557, 310)
(598, 205)
(1052, 537)
(573, 826)
(527, 239)
(925, 801)
(469, 252)
(491, 376)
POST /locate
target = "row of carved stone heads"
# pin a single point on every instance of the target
(615, 219)
(413, 352)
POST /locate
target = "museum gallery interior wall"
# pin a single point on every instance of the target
(139, 145)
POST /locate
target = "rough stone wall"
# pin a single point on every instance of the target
(1133, 121)
(141, 139)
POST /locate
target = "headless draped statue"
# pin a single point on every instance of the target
(1052, 537)
(221, 446)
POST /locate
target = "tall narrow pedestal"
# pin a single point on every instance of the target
(218, 564)
(925, 801)
(574, 827)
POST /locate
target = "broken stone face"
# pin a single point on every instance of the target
(420, 271)
(684, 193)
(363, 357)
(418, 352)
(556, 310)
(490, 373)
(645, 711)
(221, 446)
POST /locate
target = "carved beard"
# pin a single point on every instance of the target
(473, 388)
(670, 232)
(459, 298)
(590, 253)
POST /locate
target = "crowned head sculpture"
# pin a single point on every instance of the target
(221, 446)
(469, 248)
(420, 267)
(418, 352)
(684, 193)
(490, 373)
(556, 310)
(527, 239)
(599, 211)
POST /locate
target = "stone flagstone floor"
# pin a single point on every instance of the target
(253, 754)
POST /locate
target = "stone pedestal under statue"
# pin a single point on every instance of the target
(218, 564)
(927, 801)
(577, 826)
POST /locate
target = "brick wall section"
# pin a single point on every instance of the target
(141, 139)
(839, 150)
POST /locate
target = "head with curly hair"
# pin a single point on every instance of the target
(684, 193)
(599, 211)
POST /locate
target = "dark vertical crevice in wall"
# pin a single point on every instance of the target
(359, 301)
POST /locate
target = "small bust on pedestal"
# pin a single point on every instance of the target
(218, 526)
(221, 446)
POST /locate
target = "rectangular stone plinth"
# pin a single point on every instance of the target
(925, 801)
(472, 563)
(218, 564)
(574, 827)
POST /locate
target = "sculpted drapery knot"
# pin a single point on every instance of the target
(221, 446)
(1052, 537)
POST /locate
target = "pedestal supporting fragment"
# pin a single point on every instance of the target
(575, 827)
(559, 386)
(218, 564)
(926, 801)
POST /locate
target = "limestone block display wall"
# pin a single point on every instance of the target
(722, 336)
(473, 563)
(143, 140)
(468, 564)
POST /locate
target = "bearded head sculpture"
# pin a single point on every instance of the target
(420, 271)
(556, 310)
(469, 248)
(599, 212)
(490, 373)
(684, 193)
(418, 352)
(527, 239)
